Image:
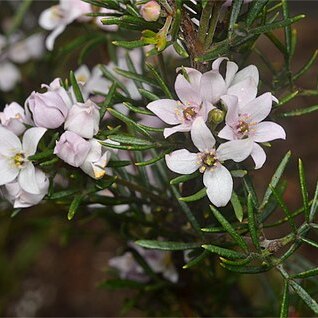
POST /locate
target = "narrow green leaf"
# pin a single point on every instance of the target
(252, 223)
(275, 178)
(237, 206)
(175, 25)
(130, 140)
(310, 242)
(42, 155)
(74, 206)
(306, 274)
(184, 178)
(285, 301)
(153, 160)
(76, 89)
(228, 227)
(109, 75)
(311, 303)
(240, 262)
(108, 100)
(62, 194)
(130, 44)
(194, 197)
(236, 8)
(256, 9)
(246, 269)
(303, 188)
(220, 229)
(314, 206)
(307, 66)
(248, 184)
(284, 100)
(224, 252)
(300, 111)
(138, 110)
(288, 32)
(195, 261)
(238, 173)
(118, 163)
(149, 95)
(167, 246)
(136, 77)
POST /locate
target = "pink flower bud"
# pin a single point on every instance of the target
(151, 11)
(13, 118)
(48, 110)
(83, 119)
(72, 148)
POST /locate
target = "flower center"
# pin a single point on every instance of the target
(19, 160)
(189, 113)
(207, 160)
(244, 127)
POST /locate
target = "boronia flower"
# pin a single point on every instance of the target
(208, 160)
(182, 113)
(14, 155)
(246, 121)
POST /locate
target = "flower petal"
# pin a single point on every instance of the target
(267, 131)
(8, 171)
(182, 161)
(9, 142)
(258, 155)
(31, 139)
(166, 110)
(259, 108)
(180, 128)
(52, 37)
(231, 104)
(216, 64)
(201, 135)
(27, 179)
(245, 90)
(189, 91)
(219, 185)
(237, 150)
(231, 70)
(227, 133)
(249, 71)
(212, 86)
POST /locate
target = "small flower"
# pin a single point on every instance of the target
(9, 76)
(96, 160)
(14, 161)
(13, 118)
(247, 122)
(182, 113)
(150, 11)
(72, 148)
(208, 160)
(23, 199)
(83, 119)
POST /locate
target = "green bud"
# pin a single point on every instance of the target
(216, 116)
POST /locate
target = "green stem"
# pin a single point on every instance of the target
(204, 21)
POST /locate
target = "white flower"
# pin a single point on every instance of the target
(183, 113)
(216, 177)
(13, 117)
(14, 155)
(9, 76)
(23, 199)
(57, 17)
(246, 121)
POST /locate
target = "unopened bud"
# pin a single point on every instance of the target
(151, 11)
(216, 116)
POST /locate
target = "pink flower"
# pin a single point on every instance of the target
(208, 160)
(83, 119)
(150, 11)
(72, 148)
(182, 113)
(246, 122)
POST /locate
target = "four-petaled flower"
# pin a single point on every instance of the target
(208, 160)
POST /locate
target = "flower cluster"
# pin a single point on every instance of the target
(200, 95)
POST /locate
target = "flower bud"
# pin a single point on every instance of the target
(96, 160)
(150, 11)
(48, 110)
(13, 118)
(216, 116)
(83, 119)
(72, 148)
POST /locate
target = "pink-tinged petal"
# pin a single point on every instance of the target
(201, 135)
(217, 63)
(259, 108)
(231, 70)
(27, 179)
(219, 185)
(267, 131)
(9, 142)
(8, 171)
(212, 86)
(180, 128)
(227, 133)
(31, 139)
(258, 155)
(249, 71)
(52, 37)
(166, 110)
(237, 150)
(182, 161)
(231, 104)
(245, 90)
(189, 91)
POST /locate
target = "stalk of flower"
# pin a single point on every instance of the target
(246, 122)
(209, 161)
(14, 155)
